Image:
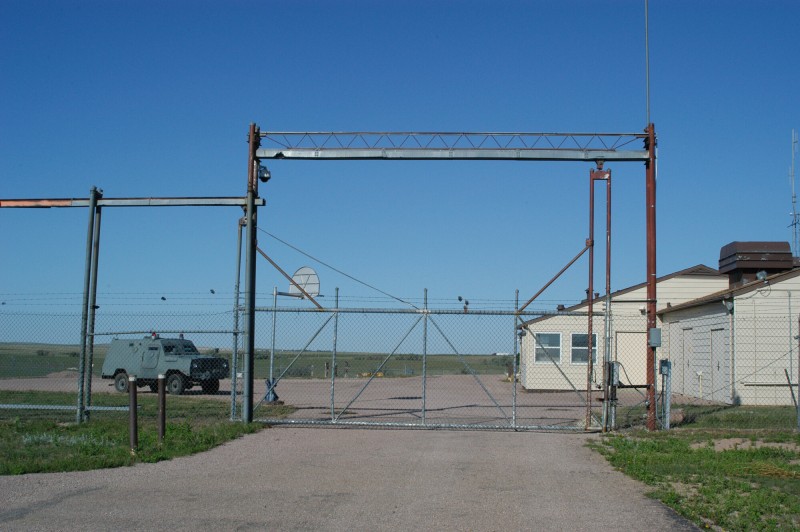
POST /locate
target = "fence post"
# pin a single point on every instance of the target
(333, 354)
(81, 413)
(162, 407)
(425, 358)
(515, 366)
(133, 426)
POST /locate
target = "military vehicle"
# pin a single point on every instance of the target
(178, 359)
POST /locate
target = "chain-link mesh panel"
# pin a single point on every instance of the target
(434, 368)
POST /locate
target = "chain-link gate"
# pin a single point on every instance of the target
(418, 368)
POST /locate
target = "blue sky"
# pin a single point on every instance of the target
(155, 98)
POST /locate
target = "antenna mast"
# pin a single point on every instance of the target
(795, 221)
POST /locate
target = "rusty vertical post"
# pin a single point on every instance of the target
(650, 145)
(590, 302)
(596, 175)
(133, 410)
(250, 275)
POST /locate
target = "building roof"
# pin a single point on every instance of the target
(730, 293)
(698, 270)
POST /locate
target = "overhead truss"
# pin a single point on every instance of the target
(454, 146)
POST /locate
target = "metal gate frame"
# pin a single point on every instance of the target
(585, 147)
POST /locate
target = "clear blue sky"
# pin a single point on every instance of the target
(149, 98)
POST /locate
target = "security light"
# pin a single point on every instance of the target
(761, 276)
(263, 174)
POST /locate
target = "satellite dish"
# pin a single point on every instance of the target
(308, 279)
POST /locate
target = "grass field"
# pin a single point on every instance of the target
(732, 468)
(47, 441)
(38, 360)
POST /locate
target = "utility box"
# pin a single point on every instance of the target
(654, 338)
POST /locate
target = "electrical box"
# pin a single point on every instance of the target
(613, 373)
(664, 367)
(654, 337)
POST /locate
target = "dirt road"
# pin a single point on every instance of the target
(348, 479)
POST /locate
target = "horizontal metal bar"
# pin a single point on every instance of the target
(159, 331)
(37, 407)
(453, 426)
(274, 134)
(771, 384)
(61, 407)
(129, 202)
(460, 312)
(454, 154)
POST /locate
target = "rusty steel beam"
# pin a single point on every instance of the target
(47, 203)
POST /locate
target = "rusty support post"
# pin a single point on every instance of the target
(162, 408)
(250, 275)
(590, 303)
(650, 165)
(607, 328)
(133, 409)
(596, 175)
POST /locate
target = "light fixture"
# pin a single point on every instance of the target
(728, 304)
(264, 174)
(762, 276)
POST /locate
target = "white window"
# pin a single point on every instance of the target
(580, 348)
(548, 347)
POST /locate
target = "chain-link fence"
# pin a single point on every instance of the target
(417, 368)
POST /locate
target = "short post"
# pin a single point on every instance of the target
(133, 428)
(162, 407)
(665, 368)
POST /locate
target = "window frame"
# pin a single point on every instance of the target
(572, 349)
(536, 348)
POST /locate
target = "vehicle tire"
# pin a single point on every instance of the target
(176, 384)
(121, 382)
(210, 387)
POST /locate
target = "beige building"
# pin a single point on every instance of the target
(553, 352)
(738, 345)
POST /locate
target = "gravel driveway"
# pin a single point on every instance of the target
(292, 478)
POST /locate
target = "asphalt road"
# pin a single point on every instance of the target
(292, 478)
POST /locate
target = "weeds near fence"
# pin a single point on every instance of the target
(44, 443)
(725, 467)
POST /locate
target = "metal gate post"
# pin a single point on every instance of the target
(92, 310)
(250, 276)
(235, 348)
(333, 357)
(80, 414)
(424, 357)
(514, 364)
(650, 165)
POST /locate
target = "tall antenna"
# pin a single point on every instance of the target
(795, 221)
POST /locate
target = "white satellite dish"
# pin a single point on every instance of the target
(307, 278)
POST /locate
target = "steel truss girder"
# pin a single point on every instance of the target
(452, 146)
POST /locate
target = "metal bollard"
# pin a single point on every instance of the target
(134, 412)
(162, 407)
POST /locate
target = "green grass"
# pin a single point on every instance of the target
(39, 360)
(48, 441)
(747, 486)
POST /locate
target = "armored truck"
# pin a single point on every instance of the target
(176, 358)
